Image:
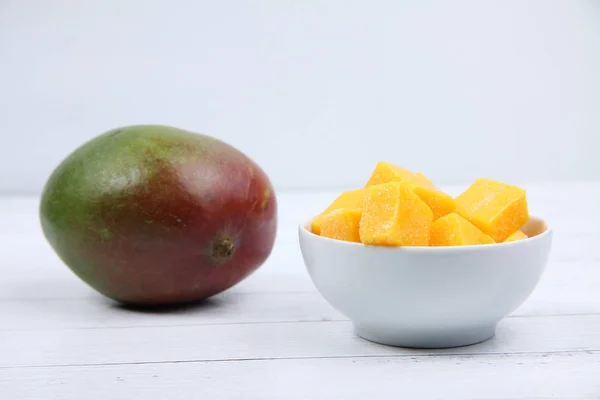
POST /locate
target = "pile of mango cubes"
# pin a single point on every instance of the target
(400, 208)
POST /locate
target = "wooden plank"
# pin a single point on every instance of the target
(271, 340)
(66, 302)
(61, 284)
(229, 308)
(524, 376)
(567, 289)
(49, 317)
(32, 270)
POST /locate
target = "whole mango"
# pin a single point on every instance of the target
(156, 215)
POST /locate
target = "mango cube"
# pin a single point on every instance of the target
(496, 208)
(454, 230)
(385, 172)
(393, 215)
(439, 202)
(350, 199)
(518, 235)
(342, 224)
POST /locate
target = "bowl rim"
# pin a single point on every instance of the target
(547, 233)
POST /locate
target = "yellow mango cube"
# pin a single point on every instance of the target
(496, 208)
(518, 235)
(439, 202)
(350, 199)
(454, 230)
(385, 172)
(393, 215)
(342, 224)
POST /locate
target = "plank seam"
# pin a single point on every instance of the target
(248, 359)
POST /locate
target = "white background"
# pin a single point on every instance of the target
(315, 91)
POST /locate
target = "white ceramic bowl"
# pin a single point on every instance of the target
(427, 297)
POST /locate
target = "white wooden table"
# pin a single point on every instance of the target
(274, 337)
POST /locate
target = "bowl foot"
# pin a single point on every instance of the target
(426, 338)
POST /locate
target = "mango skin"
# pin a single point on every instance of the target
(154, 215)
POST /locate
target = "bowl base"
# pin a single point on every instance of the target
(426, 339)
